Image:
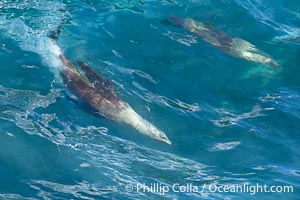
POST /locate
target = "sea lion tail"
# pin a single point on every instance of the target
(54, 34)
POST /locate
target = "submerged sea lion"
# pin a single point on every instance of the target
(233, 46)
(100, 93)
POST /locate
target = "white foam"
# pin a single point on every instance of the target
(34, 40)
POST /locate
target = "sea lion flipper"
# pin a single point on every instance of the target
(208, 24)
(101, 83)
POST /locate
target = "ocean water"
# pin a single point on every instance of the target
(231, 122)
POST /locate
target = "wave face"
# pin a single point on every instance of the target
(231, 122)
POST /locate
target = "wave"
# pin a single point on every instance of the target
(266, 14)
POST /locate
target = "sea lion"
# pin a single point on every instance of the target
(100, 93)
(233, 46)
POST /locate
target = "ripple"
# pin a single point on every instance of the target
(129, 71)
(82, 190)
(30, 66)
(14, 197)
(225, 146)
(6, 49)
(230, 118)
(286, 100)
(108, 33)
(123, 162)
(270, 97)
(266, 14)
(184, 39)
(164, 101)
(177, 104)
(18, 106)
(117, 54)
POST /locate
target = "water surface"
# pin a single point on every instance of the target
(230, 121)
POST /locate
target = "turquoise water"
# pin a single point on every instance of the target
(230, 121)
